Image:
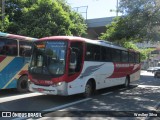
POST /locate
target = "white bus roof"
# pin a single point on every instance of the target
(96, 42)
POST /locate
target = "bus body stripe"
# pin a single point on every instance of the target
(5, 62)
(2, 58)
(25, 67)
(10, 70)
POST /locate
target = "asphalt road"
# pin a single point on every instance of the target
(143, 95)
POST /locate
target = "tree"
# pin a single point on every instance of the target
(39, 18)
(144, 53)
(140, 21)
(143, 14)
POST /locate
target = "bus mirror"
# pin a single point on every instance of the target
(73, 61)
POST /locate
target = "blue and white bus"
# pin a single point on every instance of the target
(14, 57)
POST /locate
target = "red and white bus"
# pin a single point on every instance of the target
(67, 65)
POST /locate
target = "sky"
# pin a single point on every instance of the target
(96, 8)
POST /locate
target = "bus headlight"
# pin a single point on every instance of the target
(59, 83)
(29, 82)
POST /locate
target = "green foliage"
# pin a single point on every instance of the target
(141, 21)
(40, 18)
(4, 25)
(118, 31)
(143, 15)
(130, 45)
(143, 52)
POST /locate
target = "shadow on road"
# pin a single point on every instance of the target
(42, 102)
(10, 92)
(119, 103)
(134, 98)
(149, 80)
(33, 103)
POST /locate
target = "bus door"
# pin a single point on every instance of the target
(75, 67)
(76, 57)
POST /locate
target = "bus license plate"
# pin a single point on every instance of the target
(40, 89)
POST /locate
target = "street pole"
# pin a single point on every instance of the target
(86, 12)
(86, 9)
(117, 9)
(3, 12)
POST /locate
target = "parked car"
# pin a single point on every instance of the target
(157, 73)
(155, 69)
(150, 69)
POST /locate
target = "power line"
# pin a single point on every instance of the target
(77, 9)
(116, 9)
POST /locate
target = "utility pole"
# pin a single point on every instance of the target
(117, 9)
(3, 11)
(82, 12)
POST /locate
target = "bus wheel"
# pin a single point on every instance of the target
(88, 89)
(155, 76)
(127, 82)
(22, 84)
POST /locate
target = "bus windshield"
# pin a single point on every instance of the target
(48, 57)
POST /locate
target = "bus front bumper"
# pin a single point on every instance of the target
(43, 89)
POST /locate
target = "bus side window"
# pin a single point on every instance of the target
(116, 55)
(131, 57)
(124, 56)
(89, 53)
(92, 52)
(3, 50)
(96, 53)
(10, 47)
(137, 57)
(105, 54)
(24, 48)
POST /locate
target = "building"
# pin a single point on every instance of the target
(97, 26)
(154, 57)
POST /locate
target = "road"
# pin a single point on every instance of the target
(143, 95)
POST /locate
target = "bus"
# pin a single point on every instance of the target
(15, 51)
(67, 65)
